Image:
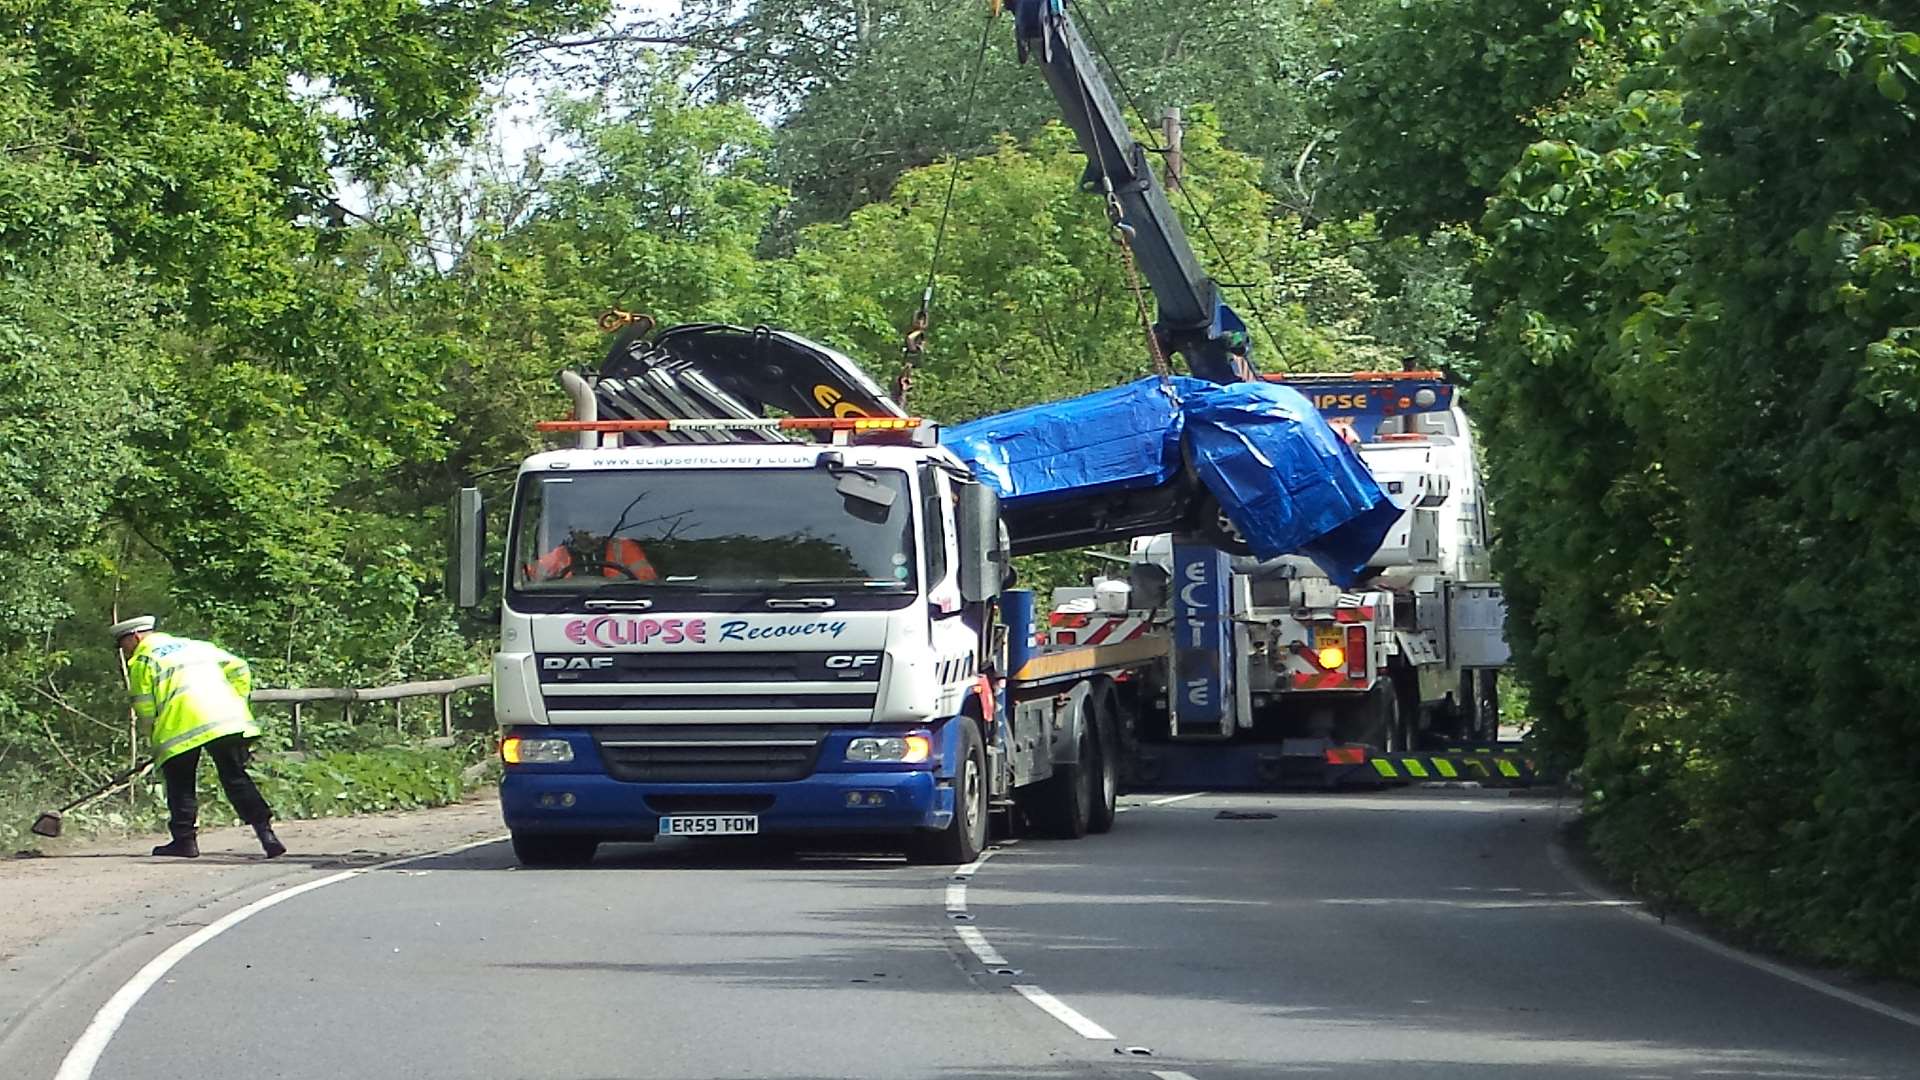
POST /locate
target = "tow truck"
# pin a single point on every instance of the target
(720, 621)
(1285, 670)
(1393, 680)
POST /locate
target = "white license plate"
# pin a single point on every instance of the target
(710, 825)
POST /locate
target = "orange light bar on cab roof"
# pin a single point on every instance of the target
(1356, 376)
(802, 423)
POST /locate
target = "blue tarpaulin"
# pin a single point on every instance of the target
(1126, 437)
(1288, 483)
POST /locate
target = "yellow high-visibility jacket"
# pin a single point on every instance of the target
(192, 692)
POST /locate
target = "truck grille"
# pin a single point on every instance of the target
(731, 687)
(733, 754)
(854, 666)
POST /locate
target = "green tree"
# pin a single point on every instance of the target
(865, 92)
(1696, 387)
(1032, 301)
(185, 358)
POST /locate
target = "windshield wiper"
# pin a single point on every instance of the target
(800, 603)
(636, 604)
(844, 582)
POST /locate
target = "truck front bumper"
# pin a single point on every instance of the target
(585, 804)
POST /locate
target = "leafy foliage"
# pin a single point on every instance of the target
(870, 90)
(1696, 384)
(192, 383)
(263, 306)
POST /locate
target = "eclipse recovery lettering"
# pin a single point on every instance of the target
(739, 630)
(609, 631)
(612, 631)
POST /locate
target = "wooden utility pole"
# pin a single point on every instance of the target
(1170, 137)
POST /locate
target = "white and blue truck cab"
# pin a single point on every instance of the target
(714, 623)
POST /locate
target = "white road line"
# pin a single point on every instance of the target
(973, 867)
(990, 956)
(1171, 799)
(80, 1061)
(977, 941)
(1164, 1075)
(1063, 1012)
(1820, 986)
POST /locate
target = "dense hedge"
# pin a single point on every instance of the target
(1700, 385)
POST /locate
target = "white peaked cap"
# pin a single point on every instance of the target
(139, 624)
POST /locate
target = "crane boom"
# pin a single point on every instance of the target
(1193, 320)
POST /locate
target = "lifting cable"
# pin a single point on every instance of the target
(915, 342)
(1123, 232)
(1200, 217)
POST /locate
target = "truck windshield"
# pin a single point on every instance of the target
(734, 530)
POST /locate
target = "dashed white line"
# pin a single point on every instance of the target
(977, 941)
(1063, 1012)
(85, 1055)
(973, 867)
(1166, 1075)
(1171, 799)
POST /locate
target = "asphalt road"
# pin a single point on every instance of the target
(1405, 935)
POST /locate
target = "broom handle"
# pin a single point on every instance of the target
(112, 786)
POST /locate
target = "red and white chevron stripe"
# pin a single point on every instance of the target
(1090, 629)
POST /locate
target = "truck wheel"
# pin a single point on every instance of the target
(1404, 728)
(1375, 719)
(539, 849)
(1213, 525)
(1106, 773)
(1061, 806)
(1487, 725)
(965, 837)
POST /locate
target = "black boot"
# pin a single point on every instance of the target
(184, 846)
(269, 843)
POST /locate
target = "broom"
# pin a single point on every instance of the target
(50, 823)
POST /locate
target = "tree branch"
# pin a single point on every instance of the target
(65, 707)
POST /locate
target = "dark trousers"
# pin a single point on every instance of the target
(229, 753)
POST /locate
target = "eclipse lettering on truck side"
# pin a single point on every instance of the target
(607, 631)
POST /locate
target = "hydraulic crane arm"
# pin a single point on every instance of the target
(1194, 322)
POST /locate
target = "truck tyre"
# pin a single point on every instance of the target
(1404, 728)
(1212, 524)
(1106, 770)
(1061, 806)
(541, 849)
(1487, 719)
(965, 837)
(1377, 719)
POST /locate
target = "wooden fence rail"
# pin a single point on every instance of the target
(444, 689)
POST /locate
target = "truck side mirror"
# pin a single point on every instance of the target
(984, 559)
(466, 548)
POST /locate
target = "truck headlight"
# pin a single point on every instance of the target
(904, 749)
(515, 750)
